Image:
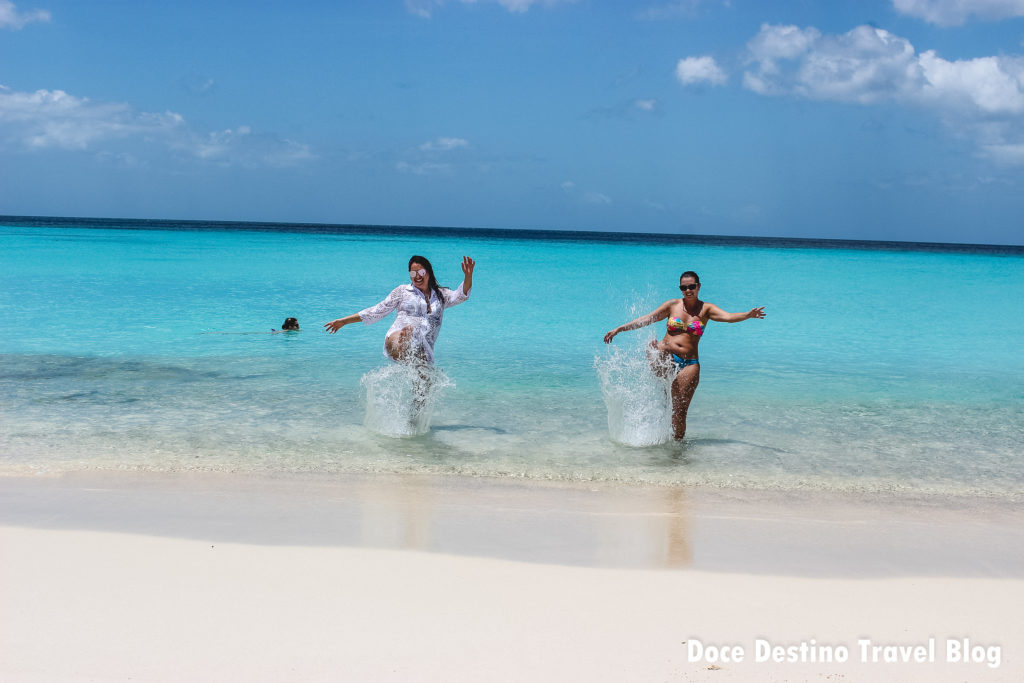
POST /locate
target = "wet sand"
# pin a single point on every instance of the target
(110, 576)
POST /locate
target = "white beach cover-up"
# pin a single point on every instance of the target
(412, 312)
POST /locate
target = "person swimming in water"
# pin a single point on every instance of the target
(290, 325)
(687, 321)
(421, 305)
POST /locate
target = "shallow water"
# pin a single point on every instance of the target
(876, 369)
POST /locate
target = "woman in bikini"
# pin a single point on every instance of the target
(687, 320)
(421, 305)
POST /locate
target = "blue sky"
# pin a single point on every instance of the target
(895, 119)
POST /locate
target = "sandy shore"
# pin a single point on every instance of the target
(216, 577)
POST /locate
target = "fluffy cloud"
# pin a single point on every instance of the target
(869, 65)
(699, 70)
(956, 12)
(54, 119)
(993, 85)
(12, 19)
(982, 96)
(425, 8)
(865, 65)
(781, 42)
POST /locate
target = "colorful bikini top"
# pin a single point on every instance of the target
(694, 327)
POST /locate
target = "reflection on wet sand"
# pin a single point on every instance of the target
(569, 524)
(649, 528)
(395, 517)
(678, 541)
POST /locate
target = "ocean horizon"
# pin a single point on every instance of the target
(523, 233)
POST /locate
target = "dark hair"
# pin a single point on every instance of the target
(290, 324)
(431, 280)
(690, 273)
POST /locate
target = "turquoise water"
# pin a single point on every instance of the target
(876, 369)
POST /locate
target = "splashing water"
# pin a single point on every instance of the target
(400, 398)
(639, 401)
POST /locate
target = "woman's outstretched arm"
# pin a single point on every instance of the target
(660, 313)
(718, 315)
(336, 325)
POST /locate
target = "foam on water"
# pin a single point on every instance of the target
(400, 398)
(638, 400)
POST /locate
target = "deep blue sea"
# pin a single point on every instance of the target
(146, 345)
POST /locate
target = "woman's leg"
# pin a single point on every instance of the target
(401, 348)
(421, 384)
(399, 344)
(683, 387)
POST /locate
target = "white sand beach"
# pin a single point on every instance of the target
(112, 576)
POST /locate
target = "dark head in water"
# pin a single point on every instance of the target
(290, 324)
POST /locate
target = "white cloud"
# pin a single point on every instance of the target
(1011, 154)
(869, 65)
(443, 144)
(426, 8)
(628, 109)
(782, 42)
(956, 12)
(423, 160)
(698, 70)
(993, 85)
(596, 198)
(1001, 141)
(240, 146)
(423, 168)
(981, 97)
(865, 65)
(12, 19)
(54, 119)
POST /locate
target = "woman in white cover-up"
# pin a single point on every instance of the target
(420, 305)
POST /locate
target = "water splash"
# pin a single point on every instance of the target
(400, 398)
(639, 401)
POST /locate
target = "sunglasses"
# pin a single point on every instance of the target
(688, 287)
(413, 273)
